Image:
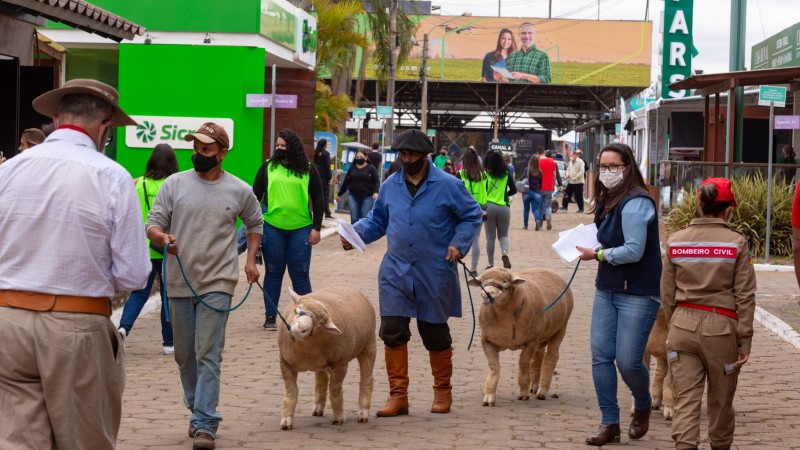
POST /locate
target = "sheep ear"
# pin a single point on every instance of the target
(518, 280)
(331, 328)
(294, 296)
(474, 283)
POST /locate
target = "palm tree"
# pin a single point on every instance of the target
(380, 22)
(330, 109)
(337, 37)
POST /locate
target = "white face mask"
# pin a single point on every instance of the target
(611, 180)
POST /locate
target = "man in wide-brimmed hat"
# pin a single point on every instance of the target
(430, 219)
(199, 208)
(72, 237)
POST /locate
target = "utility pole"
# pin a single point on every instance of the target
(424, 109)
(390, 87)
(498, 8)
(550, 9)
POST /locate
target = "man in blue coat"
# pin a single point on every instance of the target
(429, 219)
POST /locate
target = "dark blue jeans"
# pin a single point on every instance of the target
(137, 300)
(282, 249)
(530, 202)
(359, 207)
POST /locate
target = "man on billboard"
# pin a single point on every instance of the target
(528, 64)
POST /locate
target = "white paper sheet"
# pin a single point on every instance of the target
(503, 71)
(582, 235)
(346, 231)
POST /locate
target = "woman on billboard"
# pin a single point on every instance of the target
(497, 57)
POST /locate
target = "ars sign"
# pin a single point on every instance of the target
(677, 52)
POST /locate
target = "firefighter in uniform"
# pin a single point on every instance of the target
(708, 287)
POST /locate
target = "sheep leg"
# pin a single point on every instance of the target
(669, 399)
(549, 363)
(337, 397)
(536, 366)
(493, 358)
(657, 385)
(524, 371)
(320, 391)
(290, 395)
(366, 363)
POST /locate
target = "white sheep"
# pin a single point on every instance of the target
(514, 320)
(329, 328)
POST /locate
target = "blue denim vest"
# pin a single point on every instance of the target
(639, 278)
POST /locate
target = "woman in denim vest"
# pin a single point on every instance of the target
(626, 298)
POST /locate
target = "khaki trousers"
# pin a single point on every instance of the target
(61, 380)
(705, 342)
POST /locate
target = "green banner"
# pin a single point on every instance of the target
(676, 63)
(780, 50)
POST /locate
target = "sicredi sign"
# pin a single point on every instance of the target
(153, 130)
(676, 63)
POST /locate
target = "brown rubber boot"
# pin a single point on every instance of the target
(442, 370)
(397, 369)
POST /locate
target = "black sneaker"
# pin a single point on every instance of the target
(270, 324)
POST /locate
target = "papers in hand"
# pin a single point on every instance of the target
(582, 235)
(346, 231)
(503, 71)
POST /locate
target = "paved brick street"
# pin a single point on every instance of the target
(767, 403)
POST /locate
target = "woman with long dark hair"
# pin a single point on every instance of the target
(161, 164)
(626, 298)
(505, 45)
(474, 177)
(322, 159)
(709, 302)
(530, 202)
(284, 184)
(363, 182)
(499, 188)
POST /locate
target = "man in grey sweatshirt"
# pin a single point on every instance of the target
(198, 209)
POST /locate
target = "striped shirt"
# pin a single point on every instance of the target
(531, 61)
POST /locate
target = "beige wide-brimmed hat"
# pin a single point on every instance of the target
(47, 103)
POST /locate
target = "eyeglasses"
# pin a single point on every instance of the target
(613, 168)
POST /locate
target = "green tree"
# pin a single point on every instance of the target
(380, 23)
(330, 110)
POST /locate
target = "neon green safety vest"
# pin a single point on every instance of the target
(476, 188)
(153, 187)
(496, 189)
(286, 198)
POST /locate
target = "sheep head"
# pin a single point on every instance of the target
(309, 314)
(498, 283)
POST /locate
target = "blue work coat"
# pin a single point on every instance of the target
(414, 280)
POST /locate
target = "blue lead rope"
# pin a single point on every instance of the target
(180, 265)
(565, 287)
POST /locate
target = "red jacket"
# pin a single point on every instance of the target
(548, 168)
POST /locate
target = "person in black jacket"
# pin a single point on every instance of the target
(374, 157)
(323, 161)
(363, 181)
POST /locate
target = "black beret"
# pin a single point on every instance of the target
(413, 141)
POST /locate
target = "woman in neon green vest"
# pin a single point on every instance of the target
(499, 187)
(284, 184)
(162, 163)
(474, 177)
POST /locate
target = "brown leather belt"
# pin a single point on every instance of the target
(34, 301)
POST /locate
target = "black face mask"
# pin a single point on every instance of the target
(204, 163)
(413, 168)
(360, 160)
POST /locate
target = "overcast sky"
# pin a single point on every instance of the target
(711, 28)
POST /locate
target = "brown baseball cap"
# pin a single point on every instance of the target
(210, 132)
(47, 103)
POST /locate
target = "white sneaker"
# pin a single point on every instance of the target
(168, 350)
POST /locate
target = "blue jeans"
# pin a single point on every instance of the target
(284, 248)
(359, 206)
(199, 341)
(137, 300)
(546, 205)
(621, 324)
(530, 202)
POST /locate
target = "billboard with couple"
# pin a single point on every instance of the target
(526, 50)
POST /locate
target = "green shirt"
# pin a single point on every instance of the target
(440, 160)
(496, 189)
(533, 62)
(152, 189)
(287, 198)
(476, 188)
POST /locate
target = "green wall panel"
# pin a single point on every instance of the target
(194, 81)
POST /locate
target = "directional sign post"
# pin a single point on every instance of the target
(770, 96)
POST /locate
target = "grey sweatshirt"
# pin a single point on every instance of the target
(202, 217)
